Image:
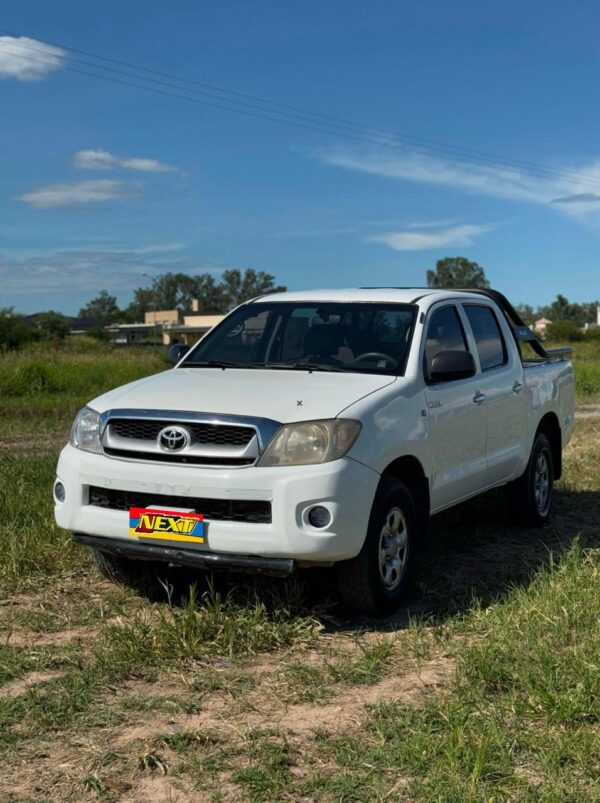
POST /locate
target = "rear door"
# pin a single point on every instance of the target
(502, 383)
(457, 423)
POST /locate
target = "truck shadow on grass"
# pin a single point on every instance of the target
(475, 554)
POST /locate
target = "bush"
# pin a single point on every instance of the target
(14, 332)
(566, 331)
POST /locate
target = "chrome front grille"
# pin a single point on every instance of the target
(204, 439)
(202, 433)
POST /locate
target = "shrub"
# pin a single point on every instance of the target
(14, 332)
(566, 331)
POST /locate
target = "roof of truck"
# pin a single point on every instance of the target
(397, 295)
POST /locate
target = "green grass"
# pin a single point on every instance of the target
(41, 389)
(586, 363)
(517, 611)
(32, 547)
(521, 719)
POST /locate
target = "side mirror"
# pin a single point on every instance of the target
(176, 352)
(449, 365)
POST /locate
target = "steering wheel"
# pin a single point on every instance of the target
(375, 355)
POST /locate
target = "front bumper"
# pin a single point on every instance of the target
(210, 561)
(345, 487)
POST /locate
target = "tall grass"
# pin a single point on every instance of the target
(42, 388)
(32, 547)
(586, 364)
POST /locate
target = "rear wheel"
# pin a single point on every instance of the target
(530, 497)
(377, 579)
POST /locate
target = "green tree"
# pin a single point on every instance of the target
(239, 287)
(52, 324)
(104, 307)
(562, 309)
(14, 332)
(457, 272)
(527, 313)
(177, 291)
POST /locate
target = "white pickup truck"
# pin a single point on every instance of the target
(319, 428)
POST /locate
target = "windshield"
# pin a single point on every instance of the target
(280, 335)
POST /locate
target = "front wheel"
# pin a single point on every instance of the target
(530, 497)
(377, 579)
(137, 574)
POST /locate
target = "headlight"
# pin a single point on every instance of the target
(85, 432)
(311, 442)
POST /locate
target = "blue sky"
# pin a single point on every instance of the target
(102, 182)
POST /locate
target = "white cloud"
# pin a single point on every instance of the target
(27, 59)
(77, 193)
(494, 181)
(103, 160)
(421, 241)
(88, 271)
(579, 198)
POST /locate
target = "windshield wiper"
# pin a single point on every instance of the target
(304, 366)
(220, 364)
(286, 366)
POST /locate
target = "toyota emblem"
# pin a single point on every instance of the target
(173, 439)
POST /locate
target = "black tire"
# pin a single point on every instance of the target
(140, 575)
(530, 496)
(365, 585)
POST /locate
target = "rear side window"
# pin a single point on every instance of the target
(488, 337)
(445, 333)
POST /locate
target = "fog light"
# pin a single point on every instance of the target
(59, 491)
(319, 516)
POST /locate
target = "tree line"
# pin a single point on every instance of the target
(178, 290)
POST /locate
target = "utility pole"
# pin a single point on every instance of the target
(153, 309)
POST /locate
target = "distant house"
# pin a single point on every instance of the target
(165, 317)
(81, 326)
(540, 326)
(128, 334)
(166, 322)
(193, 328)
(77, 326)
(593, 324)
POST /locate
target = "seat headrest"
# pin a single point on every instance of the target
(323, 339)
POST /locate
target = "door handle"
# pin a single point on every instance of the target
(479, 397)
(517, 387)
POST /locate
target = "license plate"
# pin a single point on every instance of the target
(166, 525)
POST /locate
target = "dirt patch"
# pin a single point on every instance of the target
(155, 788)
(16, 687)
(28, 639)
(588, 411)
(344, 711)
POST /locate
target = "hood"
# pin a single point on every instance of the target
(283, 396)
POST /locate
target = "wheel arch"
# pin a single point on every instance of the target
(550, 426)
(409, 469)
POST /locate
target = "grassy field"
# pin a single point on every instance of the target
(485, 688)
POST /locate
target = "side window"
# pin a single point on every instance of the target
(445, 333)
(488, 337)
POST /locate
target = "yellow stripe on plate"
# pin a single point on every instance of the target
(194, 539)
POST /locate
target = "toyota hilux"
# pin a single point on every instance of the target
(320, 428)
